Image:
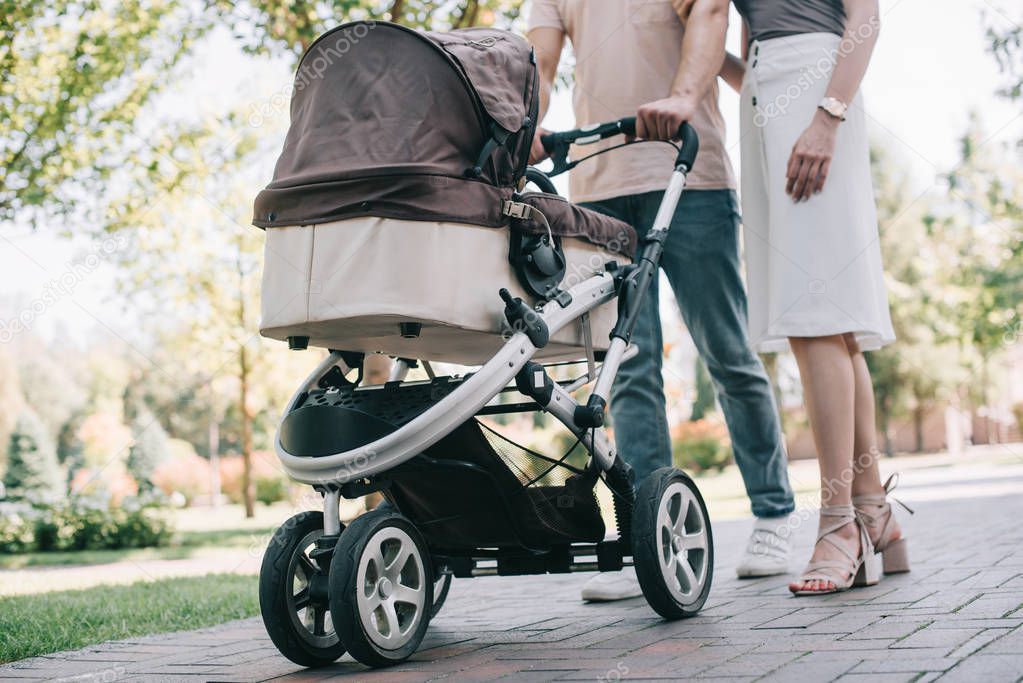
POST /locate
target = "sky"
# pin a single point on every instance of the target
(930, 72)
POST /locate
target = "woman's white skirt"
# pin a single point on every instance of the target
(813, 268)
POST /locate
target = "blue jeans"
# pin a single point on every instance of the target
(701, 261)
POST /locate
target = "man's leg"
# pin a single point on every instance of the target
(638, 415)
(701, 260)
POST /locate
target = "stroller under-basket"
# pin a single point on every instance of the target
(396, 224)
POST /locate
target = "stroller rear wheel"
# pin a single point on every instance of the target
(381, 588)
(292, 594)
(441, 586)
(673, 548)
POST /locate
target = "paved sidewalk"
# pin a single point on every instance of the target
(957, 616)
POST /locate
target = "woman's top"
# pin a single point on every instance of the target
(776, 18)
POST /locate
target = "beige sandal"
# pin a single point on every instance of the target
(858, 571)
(894, 552)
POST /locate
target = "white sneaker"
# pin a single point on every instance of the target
(767, 552)
(608, 586)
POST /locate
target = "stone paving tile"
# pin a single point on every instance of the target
(752, 664)
(888, 627)
(955, 616)
(936, 637)
(992, 606)
(878, 678)
(977, 642)
(985, 667)
(800, 670)
(1009, 644)
(904, 664)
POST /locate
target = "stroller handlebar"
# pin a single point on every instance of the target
(625, 126)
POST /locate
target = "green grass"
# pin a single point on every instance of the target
(184, 545)
(32, 625)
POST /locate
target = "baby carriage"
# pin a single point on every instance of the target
(396, 223)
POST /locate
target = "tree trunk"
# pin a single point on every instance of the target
(214, 447)
(918, 427)
(244, 375)
(886, 431)
(983, 400)
(247, 488)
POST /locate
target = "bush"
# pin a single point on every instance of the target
(270, 490)
(701, 446)
(264, 467)
(17, 534)
(82, 523)
(55, 529)
(184, 472)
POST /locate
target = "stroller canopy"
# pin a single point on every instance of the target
(395, 123)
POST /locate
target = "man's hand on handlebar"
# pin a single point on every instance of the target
(661, 119)
(536, 151)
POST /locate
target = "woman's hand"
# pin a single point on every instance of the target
(811, 157)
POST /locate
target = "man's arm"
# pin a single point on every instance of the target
(703, 52)
(547, 43)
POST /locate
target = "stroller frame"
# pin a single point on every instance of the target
(663, 514)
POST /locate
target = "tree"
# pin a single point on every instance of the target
(70, 447)
(920, 258)
(986, 189)
(705, 398)
(285, 26)
(150, 449)
(10, 402)
(1006, 44)
(32, 460)
(76, 77)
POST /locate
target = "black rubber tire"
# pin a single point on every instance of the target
(276, 579)
(646, 545)
(344, 605)
(444, 582)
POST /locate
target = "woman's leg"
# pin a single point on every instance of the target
(867, 481)
(829, 392)
(868, 478)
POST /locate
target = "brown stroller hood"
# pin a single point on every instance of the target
(395, 123)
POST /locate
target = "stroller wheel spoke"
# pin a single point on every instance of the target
(686, 576)
(695, 541)
(398, 564)
(307, 566)
(411, 596)
(302, 599)
(391, 617)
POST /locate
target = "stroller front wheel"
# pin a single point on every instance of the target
(381, 588)
(292, 599)
(673, 548)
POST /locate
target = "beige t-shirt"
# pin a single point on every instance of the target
(626, 54)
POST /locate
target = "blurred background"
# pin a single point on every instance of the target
(138, 402)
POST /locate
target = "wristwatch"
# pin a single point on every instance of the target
(834, 106)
